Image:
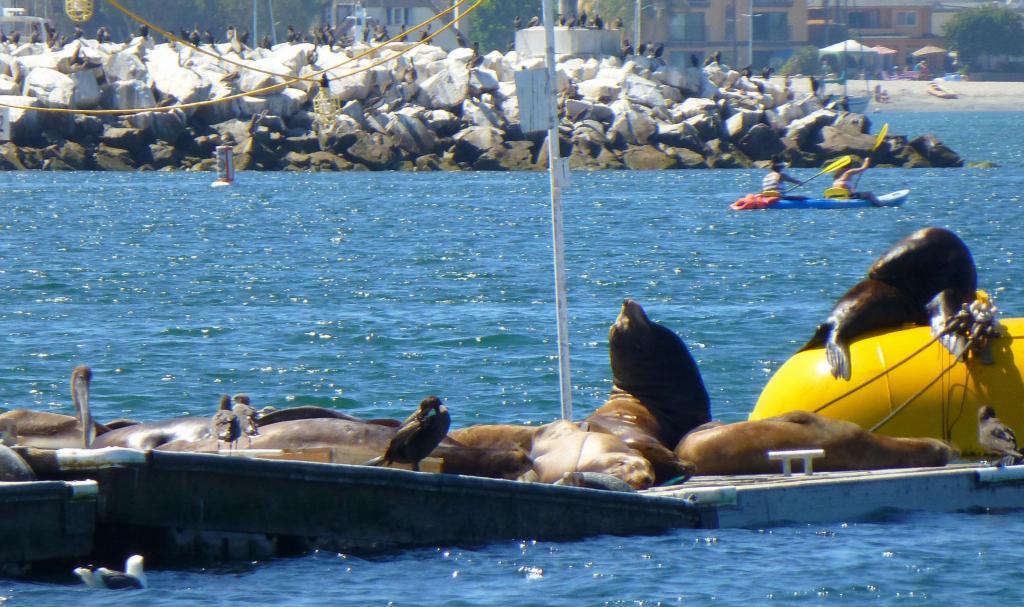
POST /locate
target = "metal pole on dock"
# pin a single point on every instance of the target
(255, 23)
(557, 171)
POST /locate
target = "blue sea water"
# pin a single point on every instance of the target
(368, 291)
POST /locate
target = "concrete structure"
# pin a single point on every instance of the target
(355, 15)
(577, 42)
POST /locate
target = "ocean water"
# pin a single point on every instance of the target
(368, 291)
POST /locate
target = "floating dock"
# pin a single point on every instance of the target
(183, 507)
(45, 521)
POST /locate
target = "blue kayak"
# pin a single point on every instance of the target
(892, 199)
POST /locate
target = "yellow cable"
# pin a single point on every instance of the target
(259, 91)
(170, 36)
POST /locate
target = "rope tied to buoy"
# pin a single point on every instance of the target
(976, 330)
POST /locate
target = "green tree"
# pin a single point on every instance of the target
(491, 24)
(804, 60)
(979, 33)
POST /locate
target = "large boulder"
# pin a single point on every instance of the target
(935, 152)
(113, 159)
(375, 151)
(411, 134)
(737, 125)
(125, 66)
(760, 143)
(838, 142)
(52, 88)
(476, 113)
(509, 156)
(128, 95)
(471, 142)
(445, 90)
(804, 133)
(682, 135)
(600, 90)
(643, 91)
(633, 127)
(723, 155)
(25, 124)
(648, 158)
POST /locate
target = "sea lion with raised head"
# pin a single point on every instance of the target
(658, 393)
(742, 447)
(924, 279)
(47, 430)
(561, 447)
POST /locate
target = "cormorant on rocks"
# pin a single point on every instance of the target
(598, 21)
(516, 22)
(694, 60)
(224, 425)
(265, 41)
(582, 20)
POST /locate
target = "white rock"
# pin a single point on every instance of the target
(442, 121)
(125, 66)
(445, 90)
(696, 105)
(52, 88)
(8, 86)
(411, 134)
(460, 56)
(739, 123)
(482, 80)
(480, 137)
(24, 123)
(600, 89)
(86, 90)
(479, 114)
(590, 68)
(355, 86)
(635, 127)
(643, 91)
(127, 95)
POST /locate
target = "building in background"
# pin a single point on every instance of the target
(352, 15)
(693, 29)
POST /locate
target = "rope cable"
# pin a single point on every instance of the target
(260, 91)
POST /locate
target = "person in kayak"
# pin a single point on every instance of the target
(775, 178)
(841, 185)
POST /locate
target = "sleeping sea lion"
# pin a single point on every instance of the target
(561, 447)
(496, 435)
(150, 435)
(742, 447)
(924, 279)
(658, 394)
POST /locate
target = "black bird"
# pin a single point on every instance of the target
(766, 72)
(102, 35)
(659, 50)
(516, 22)
(243, 38)
(208, 37)
(694, 60)
(561, 20)
(996, 437)
(462, 40)
(617, 24)
(293, 36)
(582, 20)
(36, 36)
(265, 41)
(424, 33)
(476, 60)
(133, 576)
(814, 85)
(418, 435)
(642, 49)
(572, 23)
(534, 22)
(627, 49)
(225, 425)
(77, 33)
(746, 72)
(402, 35)
(16, 36)
(598, 21)
(144, 31)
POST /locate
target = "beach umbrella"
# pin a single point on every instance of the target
(928, 50)
(849, 46)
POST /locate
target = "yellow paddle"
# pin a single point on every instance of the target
(835, 165)
(878, 141)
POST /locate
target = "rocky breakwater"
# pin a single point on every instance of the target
(425, 110)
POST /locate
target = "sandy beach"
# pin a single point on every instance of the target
(913, 95)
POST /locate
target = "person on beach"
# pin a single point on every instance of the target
(841, 185)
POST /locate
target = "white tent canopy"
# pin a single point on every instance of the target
(849, 46)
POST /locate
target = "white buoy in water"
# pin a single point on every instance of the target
(225, 166)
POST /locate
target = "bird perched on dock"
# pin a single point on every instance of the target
(418, 435)
(533, 22)
(246, 415)
(225, 425)
(133, 576)
(265, 41)
(516, 22)
(598, 21)
(582, 19)
(996, 437)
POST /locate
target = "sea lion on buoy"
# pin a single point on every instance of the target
(742, 447)
(924, 279)
(658, 393)
(561, 447)
(47, 430)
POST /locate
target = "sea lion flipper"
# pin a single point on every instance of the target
(838, 355)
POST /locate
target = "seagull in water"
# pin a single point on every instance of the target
(133, 575)
(996, 437)
(418, 435)
(225, 425)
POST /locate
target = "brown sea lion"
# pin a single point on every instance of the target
(561, 447)
(658, 394)
(496, 435)
(150, 435)
(51, 430)
(508, 463)
(924, 279)
(742, 447)
(313, 412)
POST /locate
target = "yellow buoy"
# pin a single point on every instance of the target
(78, 11)
(946, 409)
